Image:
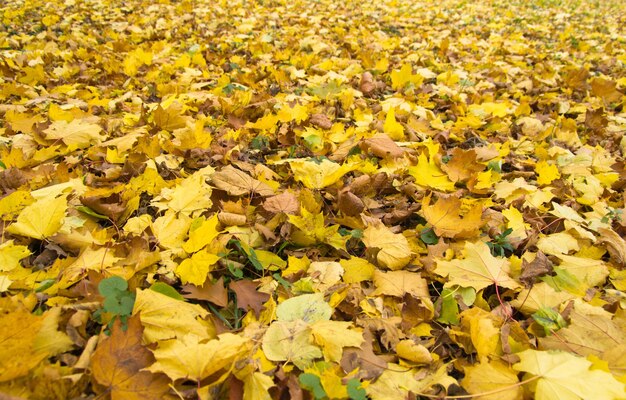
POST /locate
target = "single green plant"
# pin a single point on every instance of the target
(118, 301)
(500, 244)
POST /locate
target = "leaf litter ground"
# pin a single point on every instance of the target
(296, 199)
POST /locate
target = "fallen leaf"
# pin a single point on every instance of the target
(248, 297)
(238, 183)
(399, 283)
(446, 221)
(381, 145)
(195, 269)
(41, 219)
(491, 376)
(290, 341)
(193, 357)
(216, 293)
(462, 166)
(615, 244)
(306, 307)
(285, 202)
(119, 362)
(76, 134)
(392, 249)
(164, 317)
(318, 175)
(541, 265)
(563, 374)
(478, 269)
(333, 336)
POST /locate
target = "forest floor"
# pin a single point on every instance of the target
(312, 199)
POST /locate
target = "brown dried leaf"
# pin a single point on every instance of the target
(112, 206)
(367, 85)
(286, 202)
(247, 295)
(615, 244)
(350, 204)
(382, 146)
(118, 364)
(321, 121)
(216, 293)
(541, 265)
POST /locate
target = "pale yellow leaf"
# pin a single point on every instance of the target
(164, 317)
(393, 248)
(41, 219)
(565, 376)
(193, 357)
(478, 269)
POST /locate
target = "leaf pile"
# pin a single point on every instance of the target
(295, 199)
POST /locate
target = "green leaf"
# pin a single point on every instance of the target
(449, 308)
(164, 288)
(428, 236)
(45, 284)
(110, 287)
(549, 319)
(91, 212)
(355, 391)
(313, 384)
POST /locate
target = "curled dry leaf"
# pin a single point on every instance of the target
(382, 146)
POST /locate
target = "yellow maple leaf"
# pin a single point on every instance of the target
(27, 339)
(446, 221)
(416, 353)
(76, 134)
(566, 376)
(540, 295)
(41, 219)
(169, 115)
(202, 231)
(13, 203)
(357, 270)
(318, 174)
(90, 259)
(393, 128)
(191, 195)
(393, 248)
(428, 175)
(394, 384)
(164, 317)
(313, 230)
(546, 173)
(196, 268)
(264, 123)
(193, 357)
(256, 386)
(478, 269)
(135, 59)
(400, 78)
(516, 222)
(492, 375)
(11, 254)
(399, 283)
(170, 229)
(296, 113)
(333, 336)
